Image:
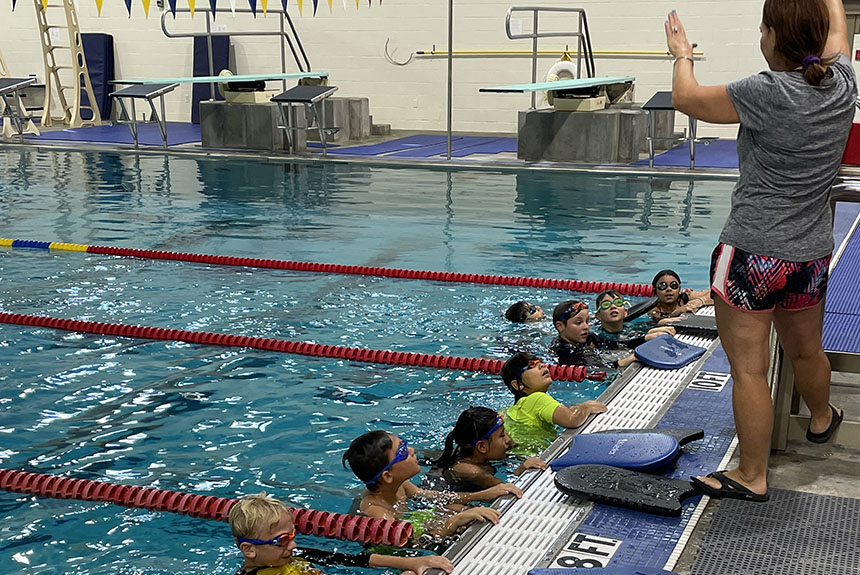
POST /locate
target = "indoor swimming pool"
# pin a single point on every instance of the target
(228, 421)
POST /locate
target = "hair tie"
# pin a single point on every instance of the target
(811, 59)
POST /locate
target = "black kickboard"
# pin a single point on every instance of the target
(683, 435)
(625, 488)
(705, 323)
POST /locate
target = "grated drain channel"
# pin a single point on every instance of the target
(797, 533)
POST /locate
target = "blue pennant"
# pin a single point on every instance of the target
(172, 7)
(316, 2)
(128, 7)
(253, 4)
(212, 8)
(284, 4)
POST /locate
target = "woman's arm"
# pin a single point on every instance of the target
(837, 38)
(707, 103)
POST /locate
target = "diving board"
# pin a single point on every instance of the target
(225, 79)
(559, 85)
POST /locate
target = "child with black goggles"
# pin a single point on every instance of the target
(674, 302)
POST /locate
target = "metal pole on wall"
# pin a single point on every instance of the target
(450, 69)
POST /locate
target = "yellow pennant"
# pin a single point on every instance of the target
(329, 7)
(146, 7)
(356, 4)
(191, 7)
(265, 4)
(98, 6)
(45, 4)
(300, 6)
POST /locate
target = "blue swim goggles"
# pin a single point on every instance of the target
(500, 421)
(401, 454)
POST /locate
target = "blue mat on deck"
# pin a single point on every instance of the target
(410, 142)
(842, 306)
(148, 134)
(426, 146)
(716, 154)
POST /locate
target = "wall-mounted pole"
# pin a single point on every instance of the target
(450, 70)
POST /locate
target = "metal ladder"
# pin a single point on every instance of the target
(581, 35)
(77, 66)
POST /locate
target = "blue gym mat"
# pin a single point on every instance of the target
(417, 141)
(716, 154)
(148, 134)
(842, 306)
(426, 146)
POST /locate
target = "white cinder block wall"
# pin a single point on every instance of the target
(349, 43)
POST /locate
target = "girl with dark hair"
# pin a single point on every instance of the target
(478, 439)
(672, 301)
(770, 268)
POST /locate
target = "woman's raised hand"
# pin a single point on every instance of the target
(676, 37)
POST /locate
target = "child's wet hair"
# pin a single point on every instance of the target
(512, 368)
(367, 455)
(603, 294)
(473, 423)
(256, 514)
(662, 273)
(518, 312)
(561, 308)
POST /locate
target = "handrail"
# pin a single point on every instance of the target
(302, 62)
(583, 39)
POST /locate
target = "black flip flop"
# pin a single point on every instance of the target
(728, 489)
(825, 435)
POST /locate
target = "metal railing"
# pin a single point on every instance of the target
(581, 35)
(286, 32)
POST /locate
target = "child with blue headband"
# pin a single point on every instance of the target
(386, 463)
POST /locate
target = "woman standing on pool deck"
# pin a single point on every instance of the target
(770, 266)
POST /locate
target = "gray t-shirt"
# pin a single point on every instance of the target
(790, 145)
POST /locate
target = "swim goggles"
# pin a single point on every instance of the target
(662, 286)
(500, 421)
(532, 309)
(572, 310)
(530, 365)
(281, 540)
(608, 303)
(401, 454)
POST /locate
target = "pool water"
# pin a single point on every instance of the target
(229, 422)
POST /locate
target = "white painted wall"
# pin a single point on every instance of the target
(349, 44)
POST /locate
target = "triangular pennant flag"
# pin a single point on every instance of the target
(329, 6)
(233, 7)
(13, 5)
(146, 7)
(253, 4)
(213, 8)
(344, 4)
(172, 4)
(99, 6)
(45, 4)
(191, 7)
(265, 5)
(356, 4)
(284, 4)
(300, 6)
(315, 6)
(128, 7)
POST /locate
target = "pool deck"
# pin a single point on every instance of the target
(828, 470)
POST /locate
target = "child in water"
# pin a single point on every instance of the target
(480, 438)
(385, 463)
(263, 529)
(535, 414)
(672, 301)
(611, 312)
(575, 344)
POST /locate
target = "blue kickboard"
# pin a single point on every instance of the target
(602, 571)
(666, 352)
(637, 451)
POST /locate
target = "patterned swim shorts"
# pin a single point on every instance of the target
(760, 283)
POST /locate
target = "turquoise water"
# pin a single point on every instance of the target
(229, 422)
